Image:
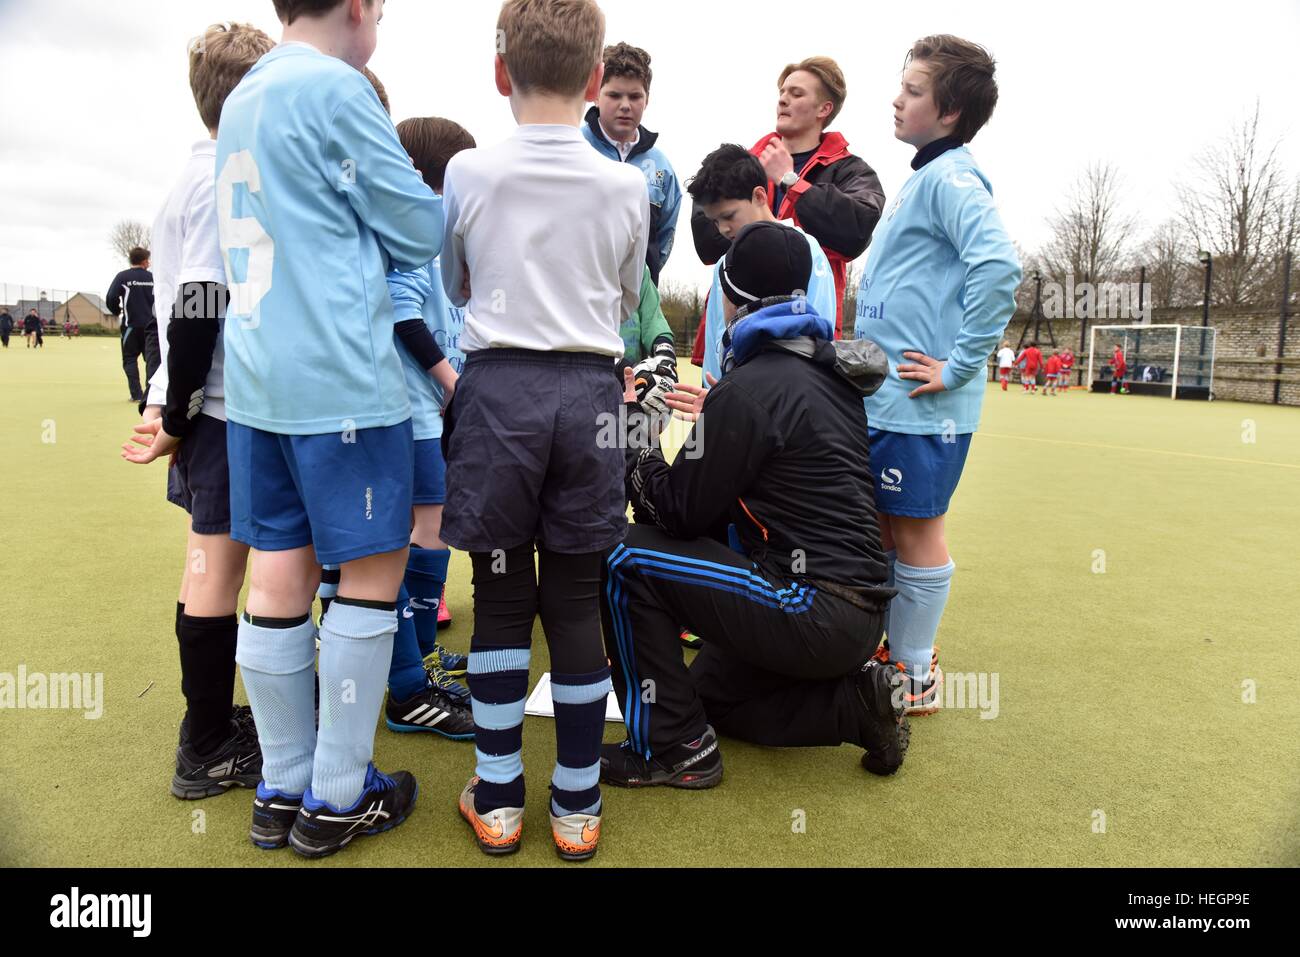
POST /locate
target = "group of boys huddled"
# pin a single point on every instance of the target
(386, 342)
(1057, 368)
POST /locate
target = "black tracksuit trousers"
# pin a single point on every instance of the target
(779, 658)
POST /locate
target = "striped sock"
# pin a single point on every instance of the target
(498, 685)
(329, 587)
(579, 726)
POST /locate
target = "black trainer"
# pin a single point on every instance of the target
(694, 765)
(273, 815)
(240, 713)
(321, 830)
(236, 763)
(432, 709)
(885, 729)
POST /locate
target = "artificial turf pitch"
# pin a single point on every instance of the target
(1125, 733)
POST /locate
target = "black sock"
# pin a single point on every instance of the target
(180, 610)
(208, 677)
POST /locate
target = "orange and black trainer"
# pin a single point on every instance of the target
(496, 832)
(920, 698)
(576, 835)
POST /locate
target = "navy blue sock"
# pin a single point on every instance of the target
(579, 726)
(426, 574)
(406, 675)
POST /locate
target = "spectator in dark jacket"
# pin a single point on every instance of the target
(131, 298)
(814, 180)
(6, 326)
(32, 329)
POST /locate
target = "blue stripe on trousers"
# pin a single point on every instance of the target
(710, 575)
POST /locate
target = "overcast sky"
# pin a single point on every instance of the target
(97, 118)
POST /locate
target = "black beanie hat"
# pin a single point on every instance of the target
(766, 259)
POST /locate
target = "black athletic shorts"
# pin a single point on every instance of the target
(529, 456)
(199, 482)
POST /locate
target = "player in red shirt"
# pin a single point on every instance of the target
(1067, 369)
(1118, 366)
(1053, 369)
(1030, 361)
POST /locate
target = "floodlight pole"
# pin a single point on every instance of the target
(1281, 325)
(1208, 261)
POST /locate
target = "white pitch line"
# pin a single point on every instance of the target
(1129, 448)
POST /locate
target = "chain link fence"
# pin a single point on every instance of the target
(61, 311)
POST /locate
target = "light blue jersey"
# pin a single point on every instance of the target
(418, 294)
(821, 297)
(940, 278)
(316, 199)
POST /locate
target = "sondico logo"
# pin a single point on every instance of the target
(891, 480)
(76, 910)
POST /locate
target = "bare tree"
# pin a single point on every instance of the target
(1168, 255)
(1090, 229)
(126, 235)
(1030, 264)
(1231, 208)
(852, 277)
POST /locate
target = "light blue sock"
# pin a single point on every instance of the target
(356, 645)
(891, 557)
(915, 611)
(278, 666)
(406, 674)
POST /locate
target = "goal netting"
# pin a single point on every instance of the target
(1169, 360)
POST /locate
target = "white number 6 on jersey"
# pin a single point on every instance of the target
(244, 232)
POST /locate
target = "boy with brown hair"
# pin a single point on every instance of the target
(185, 419)
(317, 200)
(545, 246)
(613, 127)
(942, 272)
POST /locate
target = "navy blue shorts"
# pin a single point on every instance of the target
(915, 475)
(430, 473)
(348, 493)
(525, 456)
(199, 482)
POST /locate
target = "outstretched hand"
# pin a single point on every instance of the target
(687, 401)
(154, 442)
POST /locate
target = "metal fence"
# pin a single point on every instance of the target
(84, 309)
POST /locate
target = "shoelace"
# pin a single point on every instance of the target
(374, 777)
(443, 654)
(445, 682)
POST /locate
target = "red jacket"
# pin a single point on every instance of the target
(837, 201)
(1117, 363)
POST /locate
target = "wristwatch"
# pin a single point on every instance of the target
(789, 179)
